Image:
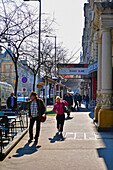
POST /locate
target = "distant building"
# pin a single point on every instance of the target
(7, 73)
(81, 58)
(7, 67)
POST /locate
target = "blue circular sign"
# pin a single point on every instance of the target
(24, 79)
(24, 89)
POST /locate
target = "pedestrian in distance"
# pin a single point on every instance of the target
(59, 109)
(76, 101)
(87, 100)
(12, 102)
(83, 98)
(36, 110)
(79, 100)
(69, 99)
(64, 96)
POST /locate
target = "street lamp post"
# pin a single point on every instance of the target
(39, 42)
(55, 50)
(39, 46)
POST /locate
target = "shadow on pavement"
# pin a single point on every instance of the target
(82, 110)
(107, 152)
(27, 150)
(91, 115)
(107, 155)
(68, 118)
(57, 137)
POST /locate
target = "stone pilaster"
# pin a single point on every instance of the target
(105, 115)
(98, 106)
(106, 69)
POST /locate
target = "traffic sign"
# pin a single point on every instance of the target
(24, 89)
(24, 79)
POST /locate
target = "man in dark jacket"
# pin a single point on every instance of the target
(36, 110)
(76, 101)
(79, 99)
(87, 100)
(12, 102)
(69, 99)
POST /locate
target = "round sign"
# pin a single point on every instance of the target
(24, 79)
(24, 89)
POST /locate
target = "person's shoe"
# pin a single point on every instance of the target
(29, 141)
(60, 132)
(36, 141)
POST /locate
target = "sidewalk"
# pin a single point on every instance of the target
(81, 148)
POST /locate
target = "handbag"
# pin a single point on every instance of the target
(43, 118)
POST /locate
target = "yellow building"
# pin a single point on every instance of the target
(7, 68)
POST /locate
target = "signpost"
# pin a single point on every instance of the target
(24, 80)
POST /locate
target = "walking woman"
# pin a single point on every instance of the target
(59, 109)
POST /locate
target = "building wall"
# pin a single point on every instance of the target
(8, 73)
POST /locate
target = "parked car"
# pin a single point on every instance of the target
(22, 99)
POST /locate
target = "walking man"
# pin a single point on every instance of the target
(79, 100)
(12, 102)
(87, 101)
(76, 101)
(36, 110)
(69, 99)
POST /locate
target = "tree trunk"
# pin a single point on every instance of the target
(16, 83)
(34, 82)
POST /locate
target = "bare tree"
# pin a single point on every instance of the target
(48, 57)
(19, 27)
(30, 49)
(18, 24)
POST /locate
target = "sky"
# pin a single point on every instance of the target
(70, 19)
(69, 15)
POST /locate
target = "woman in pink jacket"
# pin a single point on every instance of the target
(59, 109)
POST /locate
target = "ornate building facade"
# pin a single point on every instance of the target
(98, 46)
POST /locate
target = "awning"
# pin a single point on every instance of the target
(49, 81)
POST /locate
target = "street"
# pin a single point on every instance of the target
(81, 147)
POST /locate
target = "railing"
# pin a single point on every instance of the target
(11, 123)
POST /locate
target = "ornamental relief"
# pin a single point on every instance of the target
(107, 100)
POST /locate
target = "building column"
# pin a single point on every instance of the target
(105, 115)
(99, 74)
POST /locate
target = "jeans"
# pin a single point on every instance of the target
(87, 104)
(76, 104)
(32, 121)
(60, 122)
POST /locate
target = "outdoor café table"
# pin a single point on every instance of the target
(11, 118)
